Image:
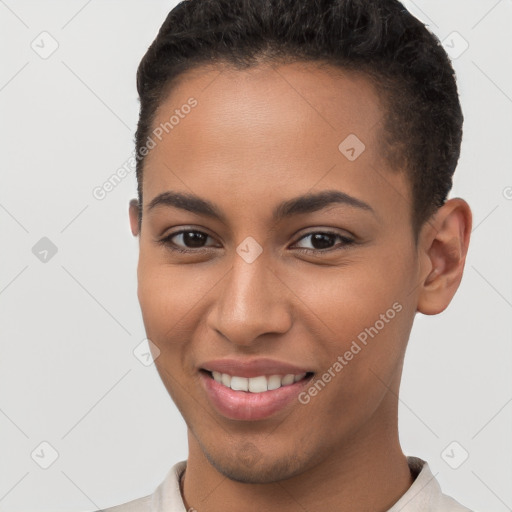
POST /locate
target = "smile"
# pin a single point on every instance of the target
(252, 398)
(259, 384)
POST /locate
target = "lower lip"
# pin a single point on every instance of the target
(244, 405)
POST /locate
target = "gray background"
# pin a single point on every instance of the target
(70, 324)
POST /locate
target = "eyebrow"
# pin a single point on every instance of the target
(307, 203)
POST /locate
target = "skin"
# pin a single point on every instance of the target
(256, 138)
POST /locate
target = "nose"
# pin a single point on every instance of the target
(251, 301)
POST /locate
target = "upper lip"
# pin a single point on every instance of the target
(252, 367)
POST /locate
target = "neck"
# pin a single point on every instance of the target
(366, 472)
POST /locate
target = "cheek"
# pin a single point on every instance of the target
(172, 299)
(362, 351)
(167, 302)
(164, 297)
(343, 301)
(359, 313)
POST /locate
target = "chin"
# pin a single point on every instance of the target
(249, 466)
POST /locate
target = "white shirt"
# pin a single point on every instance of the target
(424, 495)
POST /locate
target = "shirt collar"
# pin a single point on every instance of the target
(423, 495)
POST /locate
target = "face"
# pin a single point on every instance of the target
(304, 257)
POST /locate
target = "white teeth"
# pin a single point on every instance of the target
(288, 379)
(274, 382)
(258, 384)
(239, 383)
(226, 379)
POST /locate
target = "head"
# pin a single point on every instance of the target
(308, 148)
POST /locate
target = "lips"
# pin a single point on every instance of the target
(241, 403)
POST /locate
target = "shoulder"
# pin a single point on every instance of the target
(425, 494)
(138, 505)
(447, 504)
(166, 497)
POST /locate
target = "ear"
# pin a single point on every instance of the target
(134, 217)
(444, 244)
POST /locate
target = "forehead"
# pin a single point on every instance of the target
(271, 131)
(270, 98)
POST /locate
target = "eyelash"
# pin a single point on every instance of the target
(166, 241)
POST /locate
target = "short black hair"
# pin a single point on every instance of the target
(422, 126)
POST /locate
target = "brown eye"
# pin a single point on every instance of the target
(192, 239)
(186, 240)
(322, 241)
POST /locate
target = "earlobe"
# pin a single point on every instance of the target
(445, 250)
(134, 217)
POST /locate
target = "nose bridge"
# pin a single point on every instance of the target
(251, 301)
